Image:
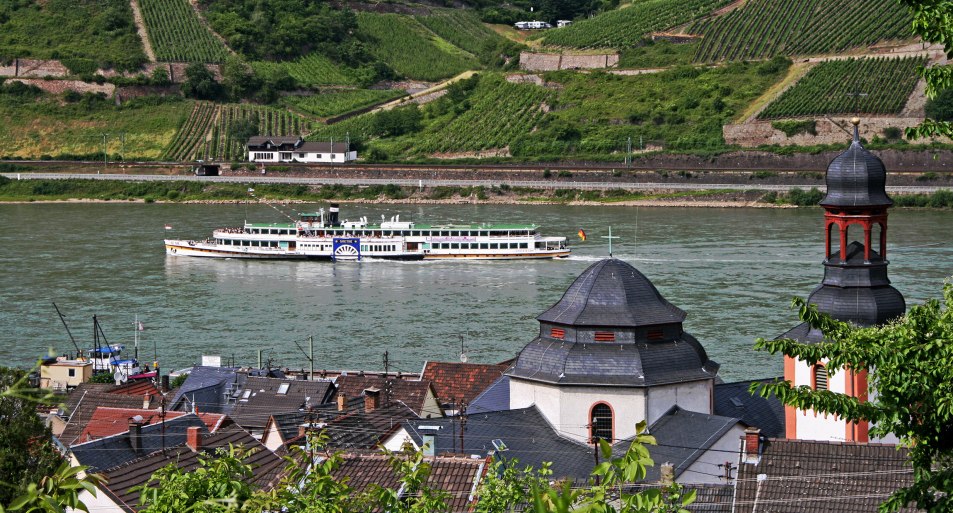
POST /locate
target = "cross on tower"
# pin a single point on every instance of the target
(610, 237)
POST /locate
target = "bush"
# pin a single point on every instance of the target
(801, 198)
(793, 127)
(892, 132)
(941, 107)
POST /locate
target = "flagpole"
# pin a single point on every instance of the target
(135, 328)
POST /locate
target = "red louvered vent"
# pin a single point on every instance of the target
(655, 334)
(557, 333)
(605, 336)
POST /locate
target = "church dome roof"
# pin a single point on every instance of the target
(612, 293)
(856, 178)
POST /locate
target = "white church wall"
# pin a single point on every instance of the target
(705, 469)
(695, 396)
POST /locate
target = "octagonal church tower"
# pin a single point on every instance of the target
(855, 286)
(609, 354)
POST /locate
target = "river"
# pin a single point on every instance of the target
(733, 270)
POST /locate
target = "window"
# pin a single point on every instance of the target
(283, 388)
(601, 425)
(72, 373)
(820, 377)
(655, 334)
(558, 333)
(605, 336)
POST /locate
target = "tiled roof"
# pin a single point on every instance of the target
(108, 421)
(269, 395)
(139, 387)
(410, 392)
(456, 476)
(794, 476)
(113, 451)
(83, 408)
(709, 498)
(122, 482)
(360, 429)
(524, 434)
(682, 437)
(495, 398)
(461, 382)
(764, 413)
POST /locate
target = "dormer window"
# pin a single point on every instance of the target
(604, 336)
(557, 333)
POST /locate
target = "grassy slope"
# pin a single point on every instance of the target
(411, 49)
(333, 103)
(45, 127)
(101, 30)
(460, 27)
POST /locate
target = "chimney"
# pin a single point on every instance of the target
(135, 433)
(146, 401)
(668, 474)
(372, 399)
(165, 383)
(752, 448)
(303, 429)
(193, 438)
(342, 402)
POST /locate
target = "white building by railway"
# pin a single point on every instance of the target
(296, 149)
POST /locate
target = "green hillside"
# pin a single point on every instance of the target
(333, 103)
(101, 31)
(461, 28)
(312, 70)
(863, 86)
(411, 49)
(765, 28)
(629, 25)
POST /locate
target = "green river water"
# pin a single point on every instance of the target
(733, 270)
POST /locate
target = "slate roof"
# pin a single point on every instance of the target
(612, 293)
(456, 476)
(110, 452)
(765, 413)
(461, 382)
(525, 433)
(646, 346)
(269, 395)
(413, 393)
(207, 387)
(322, 147)
(856, 178)
(360, 429)
(259, 140)
(836, 477)
(496, 397)
(682, 437)
(122, 481)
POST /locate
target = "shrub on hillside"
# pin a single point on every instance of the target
(941, 107)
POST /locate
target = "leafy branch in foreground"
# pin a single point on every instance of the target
(911, 361)
(933, 22)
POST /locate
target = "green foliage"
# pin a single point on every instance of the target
(765, 28)
(933, 22)
(396, 122)
(219, 484)
(313, 70)
(628, 26)
(27, 453)
(177, 34)
(940, 108)
(178, 381)
(200, 83)
(911, 360)
(56, 492)
(102, 377)
(285, 29)
(792, 127)
(460, 27)
(100, 32)
(410, 49)
(799, 197)
(336, 102)
(870, 86)
(938, 199)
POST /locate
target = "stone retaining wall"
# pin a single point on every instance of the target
(61, 86)
(36, 68)
(532, 61)
(829, 131)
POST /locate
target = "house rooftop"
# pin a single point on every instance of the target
(456, 382)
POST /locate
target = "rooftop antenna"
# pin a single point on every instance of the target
(79, 352)
(463, 350)
(610, 237)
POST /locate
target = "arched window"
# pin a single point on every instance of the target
(601, 423)
(819, 377)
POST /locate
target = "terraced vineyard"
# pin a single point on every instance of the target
(765, 28)
(410, 48)
(868, 86)
(312, 70)
(178, 35)
(333, 103)
(205, 134)
(499, 113)
(627, 27)
(460, 27)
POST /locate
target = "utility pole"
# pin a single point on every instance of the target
(105, 135)
(628, 153)
(311, 356)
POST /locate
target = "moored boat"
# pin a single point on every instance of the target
(321, 235)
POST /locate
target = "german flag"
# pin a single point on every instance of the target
(582, 234)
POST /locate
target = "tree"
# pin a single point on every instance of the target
(911, 361)
(27, 453)
(219, 484)
(200, 83)
(238, 79)
(933, 22)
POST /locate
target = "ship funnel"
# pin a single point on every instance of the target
(333, 212)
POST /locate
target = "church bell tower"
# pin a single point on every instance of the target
(855, 286)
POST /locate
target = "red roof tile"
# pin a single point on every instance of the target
(112, 421)
(455, 381)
